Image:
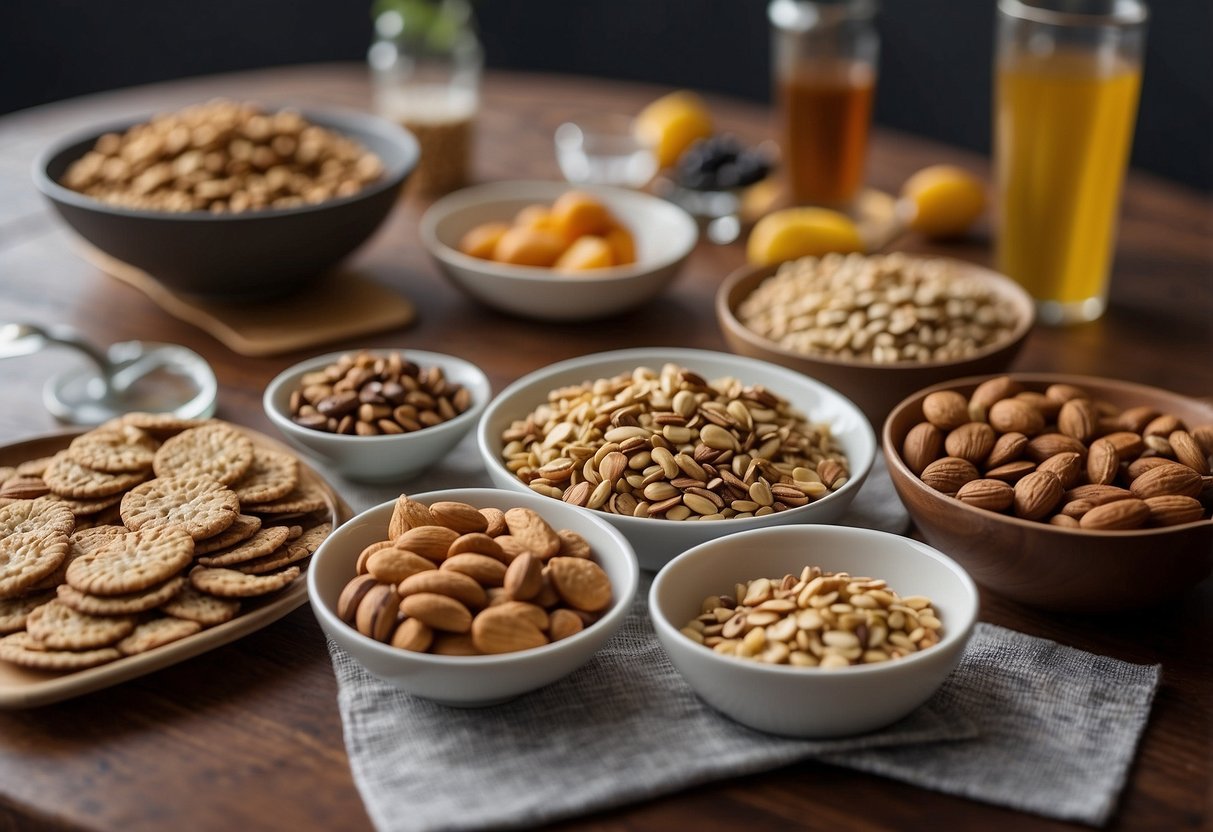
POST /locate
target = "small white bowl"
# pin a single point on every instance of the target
(385, 458)
(656, 541)
(811, 702)
(471, 681)
(664, 233)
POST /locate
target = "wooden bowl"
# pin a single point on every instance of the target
(874, 388)
(1047, 566)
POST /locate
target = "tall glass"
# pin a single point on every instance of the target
(1067, 77)
(824, 57)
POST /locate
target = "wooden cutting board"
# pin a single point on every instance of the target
(340, 305)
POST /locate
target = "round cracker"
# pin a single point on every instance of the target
(34, 467)
(297, 550)
(129, 604)
(207, 610)
(14, 611)
(162, 425)
(156, 633)
(57, 626)
(306, 497)
(119, 450)
(28, 557)
(69, 478)
(132, 562)
(272, 476)
(15, 648)
(244, 527)
(264, 542)
(46, 516)
(228, 583)
(215, 449)
(199, 504)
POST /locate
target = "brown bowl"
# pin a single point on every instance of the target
(1048, 566)
(875, 388)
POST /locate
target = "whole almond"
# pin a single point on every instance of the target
(1011, 472)
(972, 441)
(533, 532)
(392, 565)
(1013, 415)
(992, 495)
(613, 466)
(532, 613)
(1174, 509)
(1188, 451)
(1065, 392)
(407, 514)
(1097, 494)
(365, 554)
(442, 612)
(1064, 521)
(1040, 448)
(463, 588)
(1078, 418)
(1129, 445)
(1007, 448)
(1075, 509)
(523, 577)
(573, 545)
(1135, 419)
(1167, 479)
(1142, 464)
(376, 614)
(511, 546)
(480, 544)
(922, 446)
(431, 542)
(461, 517)
(495, 518)
(1067, 465)
(502, 630)
(1163, 425)
(945, 409)
(564, 623)
(483, 569)
(413, 634)
(993, 390)
(1103, 462)
(581, 583)
(1122, 514)
(352, 595)
(1037, 494)
(949, 474)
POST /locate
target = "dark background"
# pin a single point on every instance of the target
(934, 77)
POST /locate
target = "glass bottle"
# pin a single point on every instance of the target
(426, 64)
(824, 56)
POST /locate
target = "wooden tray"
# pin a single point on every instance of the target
(24, 688)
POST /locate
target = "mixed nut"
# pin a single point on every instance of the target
(1060, 456)
(815, 619)
(671, 445)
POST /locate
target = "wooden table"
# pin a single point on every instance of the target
(248, 736)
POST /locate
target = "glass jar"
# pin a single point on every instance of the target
(824, 56)
(426, 64)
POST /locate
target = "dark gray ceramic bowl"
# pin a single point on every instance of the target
(251, 254)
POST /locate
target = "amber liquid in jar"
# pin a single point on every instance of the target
(825, 110)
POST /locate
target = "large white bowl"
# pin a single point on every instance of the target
(388, 457)
(656, 541)
(664, 233)
(811, 702)
(470, 681)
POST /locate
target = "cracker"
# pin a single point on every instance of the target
(197, 503)
(133, 562)
(272, 476)
(295, 551)
(33, 543)
(14, 611)
(128, 604)
(228, 583)
(119, 450)
(306, 497)
(57, 626)
(262, 543)
(244, 527)
(156, 633)
(88, 508)
(15, 648)
(207, 610)
(162, 425)
(68, 478)
(34, 467)
(81, 541)
(215, 449)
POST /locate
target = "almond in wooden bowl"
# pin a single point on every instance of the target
(1099, 501)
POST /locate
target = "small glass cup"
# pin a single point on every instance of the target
(1067, 79)
(600, 149)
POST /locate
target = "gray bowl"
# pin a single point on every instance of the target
(251, 254)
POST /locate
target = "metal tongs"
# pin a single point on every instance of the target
(129, 375)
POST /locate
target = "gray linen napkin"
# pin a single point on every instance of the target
(1022, 722)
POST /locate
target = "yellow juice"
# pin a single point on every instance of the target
(1063, 124)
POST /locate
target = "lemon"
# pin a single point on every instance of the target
(671, 124)
(801, 232)
(943, 201)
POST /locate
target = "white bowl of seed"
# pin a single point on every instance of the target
(808, 655)
(675, 447)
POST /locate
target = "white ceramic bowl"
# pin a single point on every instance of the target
(470, 681)
(386, 458)
(656, 541)
(664, 233)
(810, 702)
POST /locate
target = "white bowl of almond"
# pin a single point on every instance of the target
(814, 631)
(471, 597)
